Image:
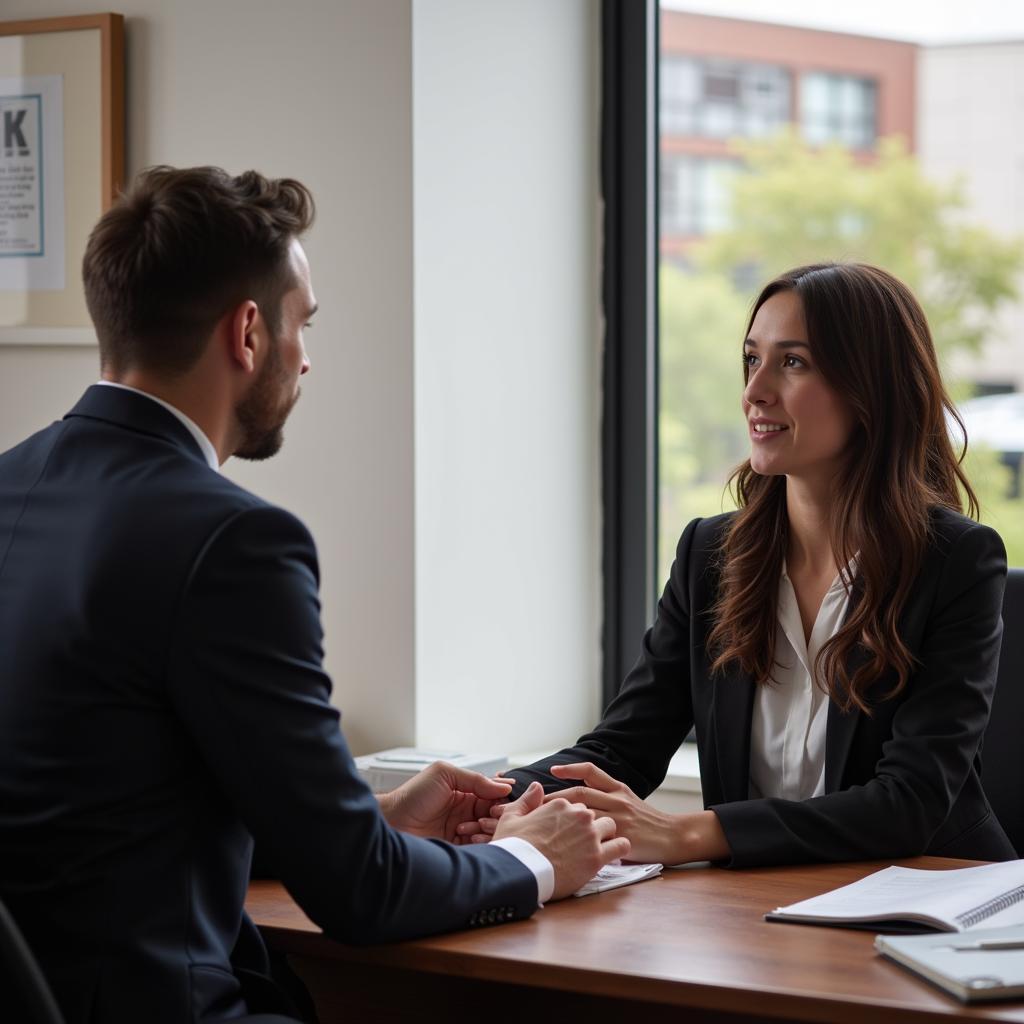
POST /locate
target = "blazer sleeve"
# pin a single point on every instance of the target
(936, 732)
(245, 677)
(651, 715)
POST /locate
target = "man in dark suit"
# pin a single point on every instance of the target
(162, 697)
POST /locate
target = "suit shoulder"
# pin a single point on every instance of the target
(235, 502)
(699, 545)
(710, 529)
(708, 534)
(254, 519)
(261, 515)
(259, 542)
(962, 555)
(30, 454)
(947, 528)
(221, 518)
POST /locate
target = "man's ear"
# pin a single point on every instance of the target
(243, 337)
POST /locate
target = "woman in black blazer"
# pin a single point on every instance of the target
(834, 642)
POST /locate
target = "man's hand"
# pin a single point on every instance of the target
(577, 843)
(435, 802)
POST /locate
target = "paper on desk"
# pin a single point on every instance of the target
(611, 876)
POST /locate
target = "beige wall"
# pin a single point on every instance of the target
(496, 539)
(319, 90)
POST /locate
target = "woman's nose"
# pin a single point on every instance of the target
(758, 390)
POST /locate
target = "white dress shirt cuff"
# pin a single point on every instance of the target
(529, 856)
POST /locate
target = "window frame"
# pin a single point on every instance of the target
(629, 186)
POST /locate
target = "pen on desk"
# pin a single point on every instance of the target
(987, 945)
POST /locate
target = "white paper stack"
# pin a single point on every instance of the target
(388, 769)
(611, 876)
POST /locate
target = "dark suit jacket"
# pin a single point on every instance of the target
(902, 782)
(162, 701)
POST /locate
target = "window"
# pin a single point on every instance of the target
(838, 108)
(718, 99)
(695, 194)
(746, 189)
(680, 95)
(755, 201)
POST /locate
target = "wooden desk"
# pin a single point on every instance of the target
(689, 946)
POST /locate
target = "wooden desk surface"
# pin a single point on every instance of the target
(692, 938)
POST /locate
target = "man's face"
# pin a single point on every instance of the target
(261, 414)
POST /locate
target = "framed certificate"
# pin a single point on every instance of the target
(61, 164)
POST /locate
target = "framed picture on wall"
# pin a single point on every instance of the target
(61, 164)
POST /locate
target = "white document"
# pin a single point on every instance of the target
(611, 876)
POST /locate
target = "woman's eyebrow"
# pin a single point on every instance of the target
(750, 343)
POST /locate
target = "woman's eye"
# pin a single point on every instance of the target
(792, 361)
(749, 359)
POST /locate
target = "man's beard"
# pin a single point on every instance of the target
(262, 413)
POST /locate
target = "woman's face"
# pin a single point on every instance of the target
(798, 424)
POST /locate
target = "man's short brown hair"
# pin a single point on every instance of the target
(178, 250)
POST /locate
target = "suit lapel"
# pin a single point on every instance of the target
(734, 711)
(839, 731)
(840, 727)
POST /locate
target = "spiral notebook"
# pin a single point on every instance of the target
(899, 900)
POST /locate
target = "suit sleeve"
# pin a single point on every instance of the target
(245, 676)
(936, 733)
(646, 722)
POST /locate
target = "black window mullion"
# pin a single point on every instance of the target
(629, 177)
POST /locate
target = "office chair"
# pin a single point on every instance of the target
(1002, 753)
(24, 994)
(25, 997)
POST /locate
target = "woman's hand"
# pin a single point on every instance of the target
(653, 835)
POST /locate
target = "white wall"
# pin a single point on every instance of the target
(970, 99)
(506, 352)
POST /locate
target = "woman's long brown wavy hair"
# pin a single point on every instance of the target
(870, 341)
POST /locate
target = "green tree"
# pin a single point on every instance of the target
(796, 205)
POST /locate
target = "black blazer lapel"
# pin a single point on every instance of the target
(839, 730)
(733, 708)
(840, 726)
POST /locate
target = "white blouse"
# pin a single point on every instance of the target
(787, 737)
